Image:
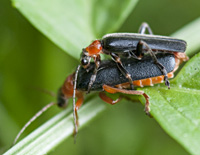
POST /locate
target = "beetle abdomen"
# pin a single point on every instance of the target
(109, 74)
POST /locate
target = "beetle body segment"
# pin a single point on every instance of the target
(125, 42)
(109, 74)
(94, 48)
(131, 45)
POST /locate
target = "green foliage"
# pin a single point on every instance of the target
(178, 110)
(191, 35)
(55, 131)
(71, 25)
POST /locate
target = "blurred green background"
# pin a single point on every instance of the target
(29, 61)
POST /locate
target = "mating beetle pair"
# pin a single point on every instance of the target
(128, 45)
(133, 45)
(134, 69)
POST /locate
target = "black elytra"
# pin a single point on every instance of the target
(125, 42)
(109, 74)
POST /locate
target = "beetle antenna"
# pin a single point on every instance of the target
(74, 104)
(33, 119)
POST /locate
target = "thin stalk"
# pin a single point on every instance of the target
(56, 130)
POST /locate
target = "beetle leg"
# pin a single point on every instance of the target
(113, 90)
(79, 102)
(117, 59)
(133, 55)
(107, 99)
(160, 66)
(97, 61)
(145, 27)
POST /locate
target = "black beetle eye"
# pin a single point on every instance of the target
(84, 62)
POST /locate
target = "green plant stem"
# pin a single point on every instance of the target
(56, 130)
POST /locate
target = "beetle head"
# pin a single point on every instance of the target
(85, 59)
(62, 101)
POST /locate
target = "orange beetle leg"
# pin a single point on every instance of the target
(79, 102)
(113, 90)
(107, 99)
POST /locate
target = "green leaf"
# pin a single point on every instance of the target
(108, 16)
(73, 24)
(178, 110)
(190, 33)
(55, 131)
